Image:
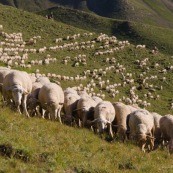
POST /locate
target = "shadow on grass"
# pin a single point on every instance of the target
(7, 150)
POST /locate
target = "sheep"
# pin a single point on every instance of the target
(16, 86)
(97, 99)
(82, 93)
(121, 112)
(104, 115)
(70, 90)
(51, 98)
(141, 126)
(42, 80)
(32, 77)
(32, 99)
(166, 127)
(85, 107)
(157, 132)
(3, 73)
(70, 103)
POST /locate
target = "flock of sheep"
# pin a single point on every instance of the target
(34, 94)
(40, 97)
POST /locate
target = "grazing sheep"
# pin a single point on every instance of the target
(42, 80)
(97, 99)
(85, 107)
(3, 73)
(104, 114)
(70, 103)
(16, 86)
(33, 78)
(166, 127)
(70, 90)
(157, 132)
(51, 98)
(82, 93)
(141, 124)
(121, 112)
(32, 99)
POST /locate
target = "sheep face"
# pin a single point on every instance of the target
(101, 126)
(141, 138)
(17, 93)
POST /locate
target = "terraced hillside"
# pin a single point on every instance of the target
(113, 69)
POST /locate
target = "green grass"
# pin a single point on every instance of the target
(37, 145)
(160, 9)
(52, 147)
(136, 32)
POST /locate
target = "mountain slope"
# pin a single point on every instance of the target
(158, 12)
(136, 32)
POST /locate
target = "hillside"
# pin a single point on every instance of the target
(34, 5)
(135, 18)
(137, 33)
(39, 145)
(158, 12)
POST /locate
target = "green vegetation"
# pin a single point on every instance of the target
(46, 146)
(157, 12)
(137, 33)
(37, 145)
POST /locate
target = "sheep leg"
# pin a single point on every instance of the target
(24, 98)
(43, 113)
(18, 109)
(110, 130)
(84, 119)
(58, 111)
(79, 123)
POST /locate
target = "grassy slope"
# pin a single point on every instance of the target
(138, 33)
(29, 5)
(44, 146)
(50, 147)
(158, 12)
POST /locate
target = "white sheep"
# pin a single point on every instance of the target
(85, 107)
(141, 125)
(166, 127)
(71, 98)
(51, 98)
(16, 86)
(121, 113)
(104, 114)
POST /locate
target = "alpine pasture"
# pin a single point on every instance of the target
(104, 66)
